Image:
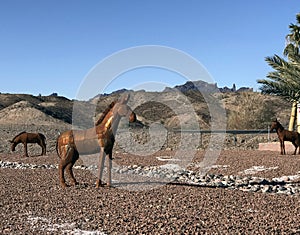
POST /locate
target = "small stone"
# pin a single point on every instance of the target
(266, 189)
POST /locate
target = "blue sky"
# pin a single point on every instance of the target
(51, 46)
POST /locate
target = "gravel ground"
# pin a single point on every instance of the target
(32, 201)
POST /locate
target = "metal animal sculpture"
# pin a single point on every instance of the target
(26, 138)
(285, 135)
(100, 138)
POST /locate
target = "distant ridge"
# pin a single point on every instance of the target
(194, 86)
(206, 87)
(190, 86)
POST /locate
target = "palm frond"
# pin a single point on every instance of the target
(284, 81)
(298, 18)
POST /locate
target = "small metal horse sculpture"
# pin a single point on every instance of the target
(25, 138)
(285, 135)
(100, 138)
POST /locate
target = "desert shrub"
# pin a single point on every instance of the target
(252, 111)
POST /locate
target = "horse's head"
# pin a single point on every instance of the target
(13, 145)
(117, 109)
(122, 109)
(275, 125)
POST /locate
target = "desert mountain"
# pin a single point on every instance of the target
(24, 112)
(244, 108)
(29, 109)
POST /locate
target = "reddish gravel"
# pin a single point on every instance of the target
(33, 203)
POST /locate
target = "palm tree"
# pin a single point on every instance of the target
(285, 80)
(294, 37)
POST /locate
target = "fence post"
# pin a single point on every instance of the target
(201, 143)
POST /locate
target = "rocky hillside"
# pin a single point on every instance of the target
(244, 109)
(29, 109)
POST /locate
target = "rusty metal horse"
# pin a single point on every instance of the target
(26, 138)
(285, 135)
(100, 138)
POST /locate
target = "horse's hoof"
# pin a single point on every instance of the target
(104, 186)
(63, 185)
(99, 184)
(75, 183)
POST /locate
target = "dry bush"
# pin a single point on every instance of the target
(252, 111)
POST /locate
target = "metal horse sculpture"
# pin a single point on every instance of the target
(100, 138)
(285, 135)
(25, 138)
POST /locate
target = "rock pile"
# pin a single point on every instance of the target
(172, 173)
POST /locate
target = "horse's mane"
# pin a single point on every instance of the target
(280, 126)
(105, 112)
(18, 135)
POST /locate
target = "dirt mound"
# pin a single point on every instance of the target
(57, 107)
(26, 113)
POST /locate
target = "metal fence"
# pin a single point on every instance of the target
(171, 138)
(233, 132)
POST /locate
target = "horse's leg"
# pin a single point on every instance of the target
(25, 149)
(43, 149)
(109, 167)
(65, 159)
(43, 145)
(282, 147)
(61, 169)
(74, 157)
(70, 172)
(297, 142)
(69, 168)
(296, 146)
(100, 168)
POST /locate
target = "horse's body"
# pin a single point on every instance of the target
(26, 138)
(100, 138)
(285, 135)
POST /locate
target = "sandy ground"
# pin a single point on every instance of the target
(32, 202)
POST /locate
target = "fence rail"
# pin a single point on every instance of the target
(222, 131)
(202, 133)
(233, 132)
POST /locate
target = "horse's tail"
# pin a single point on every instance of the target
(56, 147)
